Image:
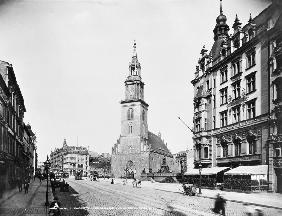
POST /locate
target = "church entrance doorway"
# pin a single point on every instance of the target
(129, 170)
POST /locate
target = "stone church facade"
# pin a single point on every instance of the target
(137, 150)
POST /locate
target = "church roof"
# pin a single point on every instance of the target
(157, 144)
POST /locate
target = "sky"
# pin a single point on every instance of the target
(71, 59)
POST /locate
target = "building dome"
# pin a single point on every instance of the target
(221, 19)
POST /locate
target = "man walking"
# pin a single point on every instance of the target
(19, 181)
(26, 186)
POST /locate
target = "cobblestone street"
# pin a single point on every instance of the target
(103, 198)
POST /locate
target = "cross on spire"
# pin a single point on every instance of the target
(134, 49)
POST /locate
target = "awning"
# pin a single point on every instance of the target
(206, 171)
(248, 170)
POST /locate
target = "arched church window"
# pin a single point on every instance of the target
(130, 114)
(130, 129)
(143, 115)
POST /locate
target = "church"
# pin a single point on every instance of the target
(138, 150)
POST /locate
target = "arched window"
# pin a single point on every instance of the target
(130, 114)
(143, 115)
(130, 128)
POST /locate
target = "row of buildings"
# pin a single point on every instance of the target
(78, 159)
(18, 157)
(238, 96)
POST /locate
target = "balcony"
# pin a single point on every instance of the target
(256, 157)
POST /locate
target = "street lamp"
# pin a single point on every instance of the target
(200, 184)
(47, 165)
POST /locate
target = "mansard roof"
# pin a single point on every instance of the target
(157, 144)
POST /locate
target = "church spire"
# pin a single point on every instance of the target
(65, 143)
(221, 12)
(134, 65)
(134, 50)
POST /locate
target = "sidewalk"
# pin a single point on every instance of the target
(31, 204)
(263, 199)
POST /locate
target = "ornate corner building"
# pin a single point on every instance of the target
(238, 95)
(70, 159)
(137, 150)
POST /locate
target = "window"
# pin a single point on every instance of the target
(208, 84)
(214, 101)
(252, 146)
(272, 65)
(130, 114)
(223, 75)
(206, 152)
(251, 83)
(274, 92)
(272, 46)
(224, 150)
(236, 90)
(213, 120)
(236, 67)
(214, 83)
(223, 96)
(251, 109)
(278, 152)
(206, 124)
(251, 34)
(143, 115)
(237, 144)
(223, 118)
(198, 125)
(251, 59)
(236, 114)
(130, 129)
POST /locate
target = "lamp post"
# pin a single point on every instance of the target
(200, 183)
(47, 165)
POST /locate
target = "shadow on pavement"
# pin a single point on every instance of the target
(71, 203)
(171, 211)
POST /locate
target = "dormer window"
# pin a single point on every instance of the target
(251, 33)
(223, 52)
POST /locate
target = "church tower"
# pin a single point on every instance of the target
(134, 108)
(137, 151)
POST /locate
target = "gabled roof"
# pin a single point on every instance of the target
(157, 144)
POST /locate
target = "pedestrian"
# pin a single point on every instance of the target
(20, 184)
(219, 205)
(26, 186)
(55, 207)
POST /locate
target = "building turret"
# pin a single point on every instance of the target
(221, 28)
